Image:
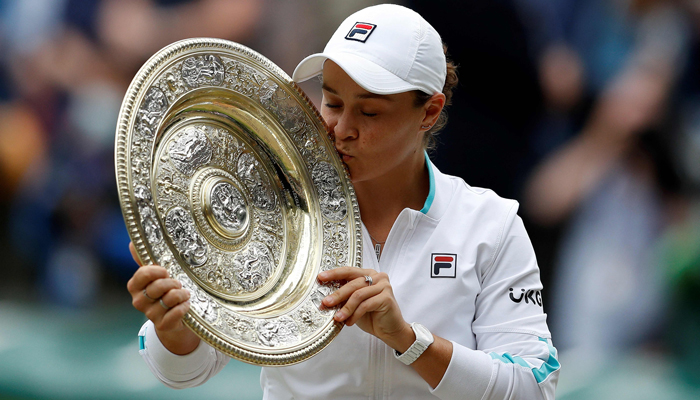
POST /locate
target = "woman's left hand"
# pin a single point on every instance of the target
(372, 307)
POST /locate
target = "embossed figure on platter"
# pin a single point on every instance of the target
(181, 228)
(241, 328)
(228, 206)
(148, 217)
(154, 105)
(249, 170)
(203, 70)
(220, 278)
(278, 331)
(253, 266)
(190, 150)
(333, 204)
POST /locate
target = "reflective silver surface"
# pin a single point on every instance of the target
(228, 179)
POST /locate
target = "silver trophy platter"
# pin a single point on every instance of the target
(228, 179)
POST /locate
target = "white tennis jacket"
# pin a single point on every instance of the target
(464, 267)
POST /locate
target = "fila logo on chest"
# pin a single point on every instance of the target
(443, 265)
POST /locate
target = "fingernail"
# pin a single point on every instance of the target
(323, 275)
(339, 316)
(328, 300)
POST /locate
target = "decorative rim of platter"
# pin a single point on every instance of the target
(227, 178)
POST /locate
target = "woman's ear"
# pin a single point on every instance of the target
(433, 107)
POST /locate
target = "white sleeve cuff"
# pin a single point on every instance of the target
(172, 366)
(467, 377)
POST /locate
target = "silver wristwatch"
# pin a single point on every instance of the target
(423, 339)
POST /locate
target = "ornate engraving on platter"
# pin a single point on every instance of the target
(201, 303)
(203, 70)
(320, 293)
(241, 328)
(218, 278)
(253, 266)
(277, 332)
(335, 245)
(201, 198)
(151, 111)
(282, 105)
(327, 181)
(228, 207)
(309, 320)
(148, 217)
(249, 171)
(227, 148)
(190, 150)
(171, 187)
(181, 228)
(172, 84)
(243, 79)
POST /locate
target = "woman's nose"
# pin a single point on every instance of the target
(342, 126)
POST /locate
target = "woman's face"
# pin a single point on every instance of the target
(375, 134)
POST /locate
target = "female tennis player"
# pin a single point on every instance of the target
(448, 301)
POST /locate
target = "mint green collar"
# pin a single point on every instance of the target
(431, 194)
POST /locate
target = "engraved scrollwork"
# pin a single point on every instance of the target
(152, 109)
(253, 266)
(240, 328)
(218, 278)
(243, 79)
(330, 192)
(308, 319)
(148, 216)
(283, 106)
(268, 94)
(335, 243)
(203, 70)
(271, 241)
(227, 148)
(261, 193)
(189, 243)
(190, 150)
(140, 169)
(172, 187)
(277, 332)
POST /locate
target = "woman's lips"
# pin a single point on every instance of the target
(344, 156)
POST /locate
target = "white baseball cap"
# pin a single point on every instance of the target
(385, 49)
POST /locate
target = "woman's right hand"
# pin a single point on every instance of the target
(164, 301)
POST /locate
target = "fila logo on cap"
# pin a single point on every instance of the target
(360, 31)
(443, 265)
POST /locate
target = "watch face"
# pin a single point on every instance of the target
(423, 334)
(228, 179)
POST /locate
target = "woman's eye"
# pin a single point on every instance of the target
(332, 105)
(366, 114)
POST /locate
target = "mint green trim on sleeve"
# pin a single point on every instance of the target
(142, 343)
(541, 374)
(431, 193)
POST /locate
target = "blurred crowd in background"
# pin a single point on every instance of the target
(585, 111)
